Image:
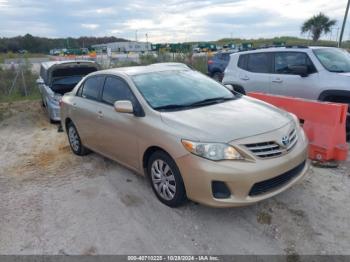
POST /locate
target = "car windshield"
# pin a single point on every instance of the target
(180, 89)
(334, 59)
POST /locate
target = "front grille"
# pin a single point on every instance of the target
(272, 148)
(276, 182)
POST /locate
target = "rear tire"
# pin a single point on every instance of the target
(217, 76)
(166, 180)
(74, 141)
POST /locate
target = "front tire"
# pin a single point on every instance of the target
(74, 141)
(239, 89)
(166, 180)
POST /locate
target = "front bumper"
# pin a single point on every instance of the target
(240, 176)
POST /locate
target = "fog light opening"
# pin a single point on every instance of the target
(220, 189)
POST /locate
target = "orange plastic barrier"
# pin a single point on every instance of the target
(324, 124)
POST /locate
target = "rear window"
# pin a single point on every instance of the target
(223, 56)
(73, 71)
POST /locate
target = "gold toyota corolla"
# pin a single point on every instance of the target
(191, 136)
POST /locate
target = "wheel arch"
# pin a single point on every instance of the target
(328, 95)
(66, 122)
(148, 152)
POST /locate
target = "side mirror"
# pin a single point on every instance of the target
(299, 70)
(123, 106)
(229, 87)
(40, 81)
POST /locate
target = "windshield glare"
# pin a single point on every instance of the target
(178, 87)
(333, 59)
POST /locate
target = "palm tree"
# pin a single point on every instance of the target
(317, 25)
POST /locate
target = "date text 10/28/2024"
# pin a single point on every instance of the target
(173, 258)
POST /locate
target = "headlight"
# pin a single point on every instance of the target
(212, 151)
(296, 119)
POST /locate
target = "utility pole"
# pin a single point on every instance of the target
(344, 22)
(136, 35)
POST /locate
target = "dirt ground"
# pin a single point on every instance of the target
(53, 202)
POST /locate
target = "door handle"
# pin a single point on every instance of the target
(100, 114)
(74, 106)
(244, 78)
(277, 80)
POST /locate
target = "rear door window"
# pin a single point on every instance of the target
(92, 87)
(258, 63)
(285, 60)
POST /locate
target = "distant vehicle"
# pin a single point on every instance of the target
(59, 77)
(318, 73)
(187, 133)
(196, 50)
(218, 63)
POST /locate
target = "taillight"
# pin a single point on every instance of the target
(60, 102)
(210, 62)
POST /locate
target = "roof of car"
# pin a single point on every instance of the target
(52, 63)
(284, 48)
(228, 51)
(136, 70)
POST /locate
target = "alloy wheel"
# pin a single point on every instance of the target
(163, 179)
(73, 138)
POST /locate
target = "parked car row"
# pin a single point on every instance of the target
(190, 135)
(317, 73)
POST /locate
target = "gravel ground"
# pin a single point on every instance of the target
(53, 202)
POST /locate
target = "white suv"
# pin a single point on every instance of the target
(318, 73)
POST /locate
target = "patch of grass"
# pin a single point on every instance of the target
(35, 95)
(18, 92)
(200, 64)
(264, 218)
(11, 55)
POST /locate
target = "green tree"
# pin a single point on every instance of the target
(317, 25)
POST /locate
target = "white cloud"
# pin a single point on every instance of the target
(90, 26)
(3, 3)
(164, 21)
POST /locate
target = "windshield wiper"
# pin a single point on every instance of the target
(210, 101)
(171, 106)
(337, 71)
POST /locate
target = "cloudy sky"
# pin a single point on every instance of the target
(164, 20)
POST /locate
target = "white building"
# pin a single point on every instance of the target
(131, 46)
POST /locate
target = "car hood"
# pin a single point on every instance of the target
(345, 74)
(228, 121)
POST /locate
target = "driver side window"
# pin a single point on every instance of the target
(116, 89)
(285, 60)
